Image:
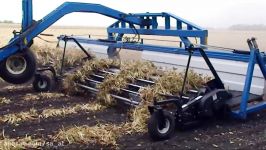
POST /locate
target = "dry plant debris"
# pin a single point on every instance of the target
(100, 134)
(88, 68)
(71, 110)
(42, 96)
(168, 82)
(138, 120)
(4, 100)
(17, 118)
(47, 113)
(48, 56)
(20, 143)
(129, 71)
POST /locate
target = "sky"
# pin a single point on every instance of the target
(205, 13)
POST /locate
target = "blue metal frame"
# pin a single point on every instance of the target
(30, 29)
(226, 55)
(147, 25)
(27, 14)
(183, 29)
(147, 22)
(254, 57)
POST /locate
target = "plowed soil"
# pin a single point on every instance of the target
(212, 134)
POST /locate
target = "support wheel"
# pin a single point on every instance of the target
(43, 83)
(18, 68)
(164, 131)
(113, 53)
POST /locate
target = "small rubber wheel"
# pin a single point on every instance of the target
(18, 68)
(161, 133)
(43, 83)
(113, 53)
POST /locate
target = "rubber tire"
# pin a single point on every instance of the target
(41, 78)
(153, 127)
(25, 76)
(112, 53)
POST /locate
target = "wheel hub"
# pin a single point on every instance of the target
(166, 127)
(42, 84)
(16, 64)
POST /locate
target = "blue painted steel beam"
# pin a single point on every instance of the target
(251, 109)
(161, 32)
(148, 14)
(255, 108)
(167, 16)
(167, 23)
(164, 14)
(254, 57)
(261, 63)
(154, 23)
(184, 21)
(191, 30)
(27, 14)
(20, 42)
(248, 81)
(70, 7)
(225, 55)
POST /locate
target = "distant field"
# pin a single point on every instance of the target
(225, 38)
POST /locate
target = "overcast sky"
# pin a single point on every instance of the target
(206, 13)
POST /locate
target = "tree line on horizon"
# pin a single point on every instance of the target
(248, 27)
(6, 21)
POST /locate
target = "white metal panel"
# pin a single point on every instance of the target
(98, 50)
(232, 73)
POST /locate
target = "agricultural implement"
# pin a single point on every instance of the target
(230, 92)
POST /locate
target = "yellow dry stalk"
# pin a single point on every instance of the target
(19, 117)
(31, 97)
(44, 96)
(129, 72)
(92, 107)
(196, 80)
(100, 134)
(18, 144)
(49, 56)
(47, 113)
(4, 100)
(51, 95)
(170, 83)
(138, 120)
(88, 68)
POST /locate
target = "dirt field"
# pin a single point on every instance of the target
(213, 134)
(34, 123)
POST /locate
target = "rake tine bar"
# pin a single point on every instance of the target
(95, 91)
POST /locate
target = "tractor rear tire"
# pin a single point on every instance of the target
(18, 68)
(161, 133)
